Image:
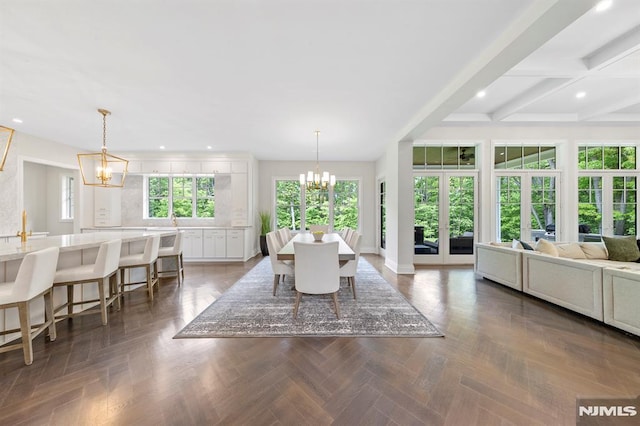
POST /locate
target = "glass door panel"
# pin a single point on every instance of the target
(625, 207)
(427, 214)
(509, 198)
(445, 217)
(543, 208)
(589, 207)
(461, 214)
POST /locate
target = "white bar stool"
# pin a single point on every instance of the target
(173, 252)
(34, 279)
(102, 272)
(148, 259)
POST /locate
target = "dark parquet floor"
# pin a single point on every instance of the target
(507, 359)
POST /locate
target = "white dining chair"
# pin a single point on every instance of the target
(280, 268)
(173, 253)
(34, 279)
(317, 271)
(349, 269)
(319, 228)
(148, 260)
(103, 272)
(285, 235)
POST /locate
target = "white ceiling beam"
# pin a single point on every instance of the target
(615, 50)
(542, 21)
(607, 108)
(526, 98)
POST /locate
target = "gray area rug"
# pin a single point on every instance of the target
(248, 309)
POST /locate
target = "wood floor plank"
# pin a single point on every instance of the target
(506, 358)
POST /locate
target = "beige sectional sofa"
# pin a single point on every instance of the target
(590, 284)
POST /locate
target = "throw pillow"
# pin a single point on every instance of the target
(622, 249)
(515, 244)
(570, 251)
(545, 247)
(594, 250)
(525, 245)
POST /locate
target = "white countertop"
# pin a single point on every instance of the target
(17, 250)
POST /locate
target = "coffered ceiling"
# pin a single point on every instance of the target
(261, 76)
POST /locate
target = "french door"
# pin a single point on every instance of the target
(446, 205)
(526, 205)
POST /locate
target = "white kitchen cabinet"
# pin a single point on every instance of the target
(215, 167)
(239, 167)
(192, 243)
(235, 243)
(215, 243)
(134, 167)
(107, 204)
(185, 167)
(239, 199)
(155, 166)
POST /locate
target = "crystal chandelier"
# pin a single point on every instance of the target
(317, 180)
(102, 169)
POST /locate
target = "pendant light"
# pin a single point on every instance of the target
(102, 169)
(5, 141)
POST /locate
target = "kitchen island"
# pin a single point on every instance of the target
(75, 249)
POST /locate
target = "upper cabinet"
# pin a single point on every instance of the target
(154, 166)
(216, 166)
(185, 167)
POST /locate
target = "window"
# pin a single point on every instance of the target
(288, 199)
(606, 157)
(158, 196)
(298, 207)
(184, 196)
(590, 204)
(383, 215)
(205, 202)
(345, 204)
(524, 157)
(67, 198)
(607, 190)
(444, 157)
(316, 207)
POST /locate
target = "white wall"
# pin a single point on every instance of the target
(364, 171)
(30, 149)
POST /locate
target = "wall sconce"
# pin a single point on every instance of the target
(5, 141)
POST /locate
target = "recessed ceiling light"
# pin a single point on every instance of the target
(17, 120)
(161, 146)
(581, 95)
(481, 94)
(603, 5)
(209, 147)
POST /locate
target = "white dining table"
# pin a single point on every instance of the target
(345, 253)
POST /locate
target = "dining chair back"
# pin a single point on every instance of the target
(317, 271)
(34, 279)
(349, 269)
(280, 268)
(319, 228)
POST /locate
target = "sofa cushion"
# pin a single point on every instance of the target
(545, 247)
(570, 251)
(594, 250)
(622, 249)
